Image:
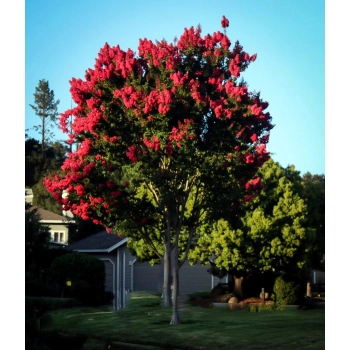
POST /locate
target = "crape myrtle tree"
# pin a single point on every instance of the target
(276, 232)
(174, 121)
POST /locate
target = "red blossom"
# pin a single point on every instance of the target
(248, 198)
(131, 154)
(169, 148)
(116, 194)
(224, 22)
(254, 138)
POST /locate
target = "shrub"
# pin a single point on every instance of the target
(203, 295)
(286, 292)
(34, 309)
(39, 305)
(87, 276)
(259, 308)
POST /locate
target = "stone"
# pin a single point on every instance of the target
(233, 300)
(223, 298)
(266, 295)
(217, 291)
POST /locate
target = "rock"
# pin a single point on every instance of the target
(223, 298)
(266, 295)
(217, 291)
(233, 300)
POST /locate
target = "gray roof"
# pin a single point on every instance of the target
(98, 242)
(48, 215)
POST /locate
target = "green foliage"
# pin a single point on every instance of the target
(40, 305)
(45, 108)
(37, 166)
(259, 308)
(43, 199)
(274, 232)
(203, 295)
(315, 196)
(87, 276)
(286, 292)
(216, 272)
(139, 324)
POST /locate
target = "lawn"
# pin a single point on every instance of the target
(146, 322)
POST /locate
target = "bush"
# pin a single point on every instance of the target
(286, 292)
(202, 295)
(41, 305)
(259, 308)
(87, 276)
(38, 288)
(34, 309)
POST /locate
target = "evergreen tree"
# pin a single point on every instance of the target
(45, 108)
(315, 195)
(276, 233)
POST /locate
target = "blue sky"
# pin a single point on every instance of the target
(62, 39)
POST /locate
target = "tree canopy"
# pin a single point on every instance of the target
(277, 232)
(45, 108)
(174, 120)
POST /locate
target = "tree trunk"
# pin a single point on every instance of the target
(42, 136)
(237, 286)
(175, 319)
(167, 275)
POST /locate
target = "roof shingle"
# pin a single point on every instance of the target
(99, 241)
(48, 215)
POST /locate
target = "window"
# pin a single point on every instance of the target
(58, 237)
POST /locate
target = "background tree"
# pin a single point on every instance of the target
(45, 108)
(38, 256)
(315, 195)
(275, 233)
(178, 117)
(37, 166)
(44, 199)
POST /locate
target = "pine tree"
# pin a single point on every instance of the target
(45, 108)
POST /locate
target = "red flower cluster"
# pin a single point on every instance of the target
(179, 92)
(224, 22)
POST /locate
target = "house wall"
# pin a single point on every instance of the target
(118, 270)
(58, 228)
(148, 278)
(191, 278)
(123, 274)
(195, 278)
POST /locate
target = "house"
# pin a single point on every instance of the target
(124, 274)
(29, 195)
(58, 225)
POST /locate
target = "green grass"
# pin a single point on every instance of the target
(146, 322)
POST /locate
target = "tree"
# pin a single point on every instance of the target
(37, 166)
(44, 199)
(315, 195)
(38, 255)
(175, 121)
(276, 232)
(45, 108)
